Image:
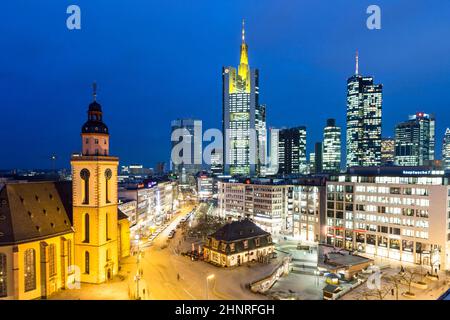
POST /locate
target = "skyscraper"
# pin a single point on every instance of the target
(216, 162)
(318, 157)
(186, 140)
(387, 151)
(446, 150)
(244, 119)
(273, 163)
(331, 147)
(415, 140)
(292, 151)
(364, 101)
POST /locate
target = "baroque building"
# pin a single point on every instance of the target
(55, 234)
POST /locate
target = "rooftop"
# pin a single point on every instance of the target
(238, 230)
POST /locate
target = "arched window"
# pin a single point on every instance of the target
(86, 262)
(108, 176)
(86, 228)
(30, 269)
(52, 260)
(3, 275)
(85, 174)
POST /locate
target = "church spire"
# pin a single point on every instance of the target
(356, 63)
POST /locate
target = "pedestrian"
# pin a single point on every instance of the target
(392, 291)
(178, 276)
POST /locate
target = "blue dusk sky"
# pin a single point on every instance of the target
(155, 61)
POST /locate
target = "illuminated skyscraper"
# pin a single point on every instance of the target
(331, 147)
(387, 151)
(292, 151)
(446, 150)
(186, 133)
(415, 140)
(273, 163)
(364, 101)
(244, 119)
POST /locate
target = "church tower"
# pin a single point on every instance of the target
(94, 189)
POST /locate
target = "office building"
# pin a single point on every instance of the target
(292, 151)
(186, 155)
(415, 140)
(398, 213)
(387, 151)
(205, 184)
(446, 150)
(244, 118)
(364, 104)
(331, 157)
(318, 157)
(272, 168)
(292, 207)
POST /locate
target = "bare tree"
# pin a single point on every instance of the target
(409, 276)
(395, 282)
(374, 294)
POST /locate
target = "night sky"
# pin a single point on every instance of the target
(155, 61)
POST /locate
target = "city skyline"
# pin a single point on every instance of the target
(292, 66)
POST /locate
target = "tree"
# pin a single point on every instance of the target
(409, 276)
(395, 281)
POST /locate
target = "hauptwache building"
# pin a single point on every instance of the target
(53, 233)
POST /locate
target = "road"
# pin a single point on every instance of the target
(161, 265)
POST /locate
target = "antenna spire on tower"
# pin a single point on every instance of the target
(357, 63)
(94, 90)
(243, 30)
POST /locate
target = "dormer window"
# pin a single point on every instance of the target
(257, 242)
(245, 242)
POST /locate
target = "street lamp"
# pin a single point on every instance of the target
(210, 277)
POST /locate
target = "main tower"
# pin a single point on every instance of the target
(94, 189)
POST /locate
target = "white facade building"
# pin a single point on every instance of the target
(402, 214)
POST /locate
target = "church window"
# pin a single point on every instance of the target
(69, 252)
(86, 228)
(30, 269)
(51, 260)
(85, 174)
(86, 262)
(108, 176)
(107, 226)
(3, 275)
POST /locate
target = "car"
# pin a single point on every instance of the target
(171, 234)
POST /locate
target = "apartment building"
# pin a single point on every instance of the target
(398, 213)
